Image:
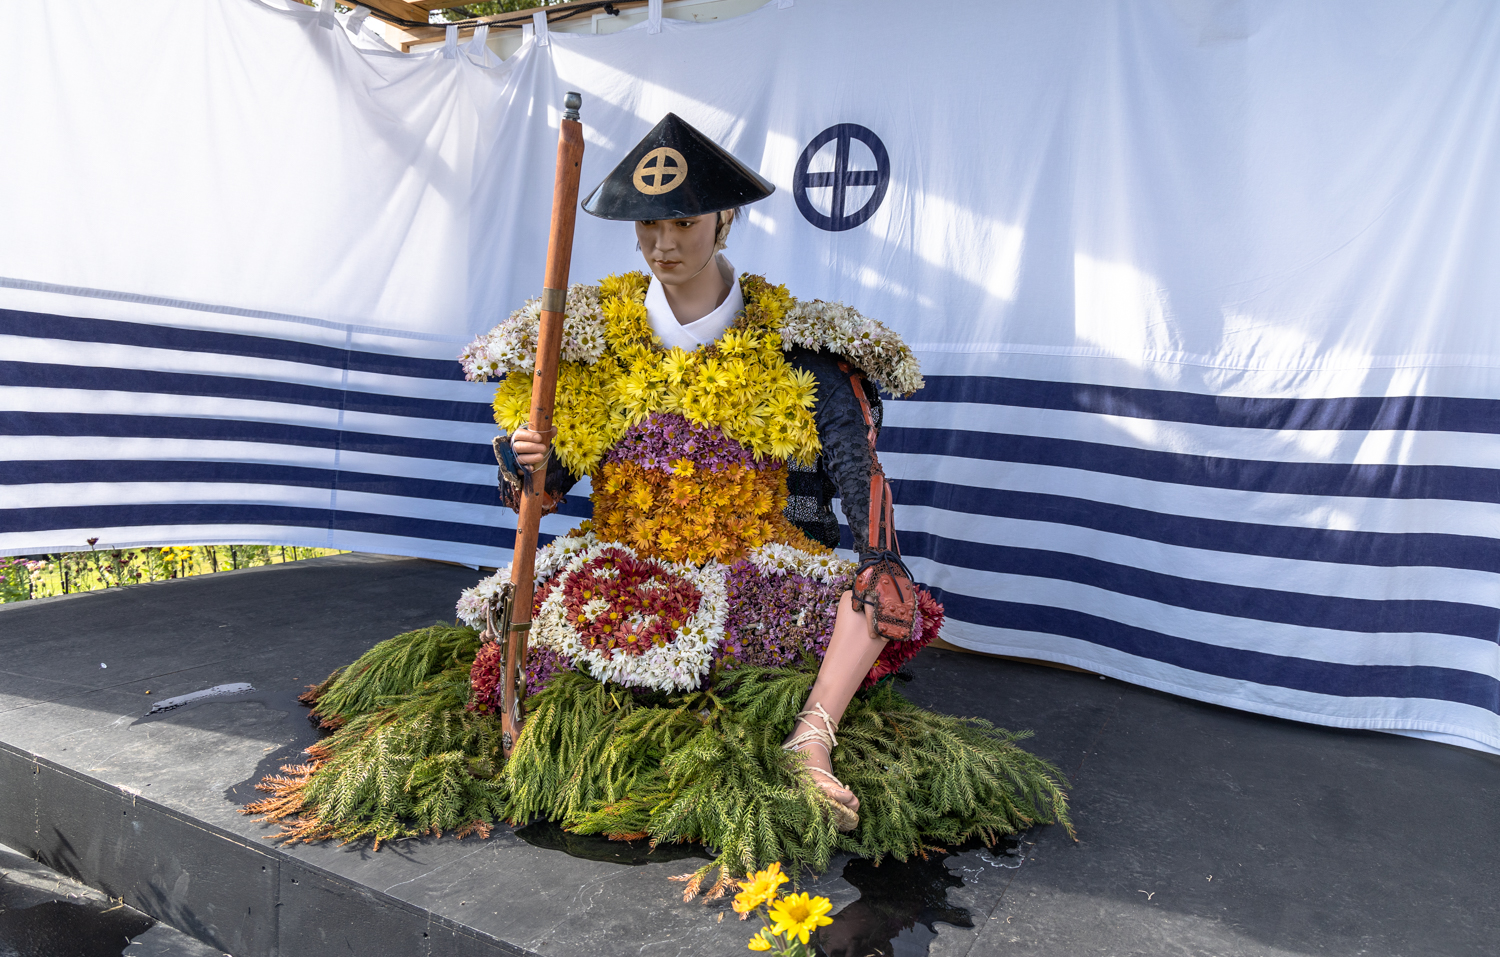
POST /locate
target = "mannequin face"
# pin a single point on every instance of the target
(677, 250)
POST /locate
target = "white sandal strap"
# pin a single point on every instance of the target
(812, 735)
(829, 775)
(824, 735)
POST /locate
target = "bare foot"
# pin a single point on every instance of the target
(818, 758)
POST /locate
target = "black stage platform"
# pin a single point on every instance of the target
(1202, 830)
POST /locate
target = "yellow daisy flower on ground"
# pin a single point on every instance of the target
(759, 942)
(761, 887)
(798, 915)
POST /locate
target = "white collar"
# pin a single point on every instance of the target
(702, 331)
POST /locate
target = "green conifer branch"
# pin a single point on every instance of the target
(408, 759)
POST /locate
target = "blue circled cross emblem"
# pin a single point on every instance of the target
(841, 177)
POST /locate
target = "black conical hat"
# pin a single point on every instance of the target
(675, 171)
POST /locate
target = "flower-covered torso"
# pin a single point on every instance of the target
(688, 563)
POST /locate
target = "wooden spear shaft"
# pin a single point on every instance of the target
(543, 394)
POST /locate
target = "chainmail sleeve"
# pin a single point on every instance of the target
(844, 464)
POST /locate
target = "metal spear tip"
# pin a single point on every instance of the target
(571, 103)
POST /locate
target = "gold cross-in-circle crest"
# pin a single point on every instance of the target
(660, 171)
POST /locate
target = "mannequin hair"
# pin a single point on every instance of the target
(726, 220)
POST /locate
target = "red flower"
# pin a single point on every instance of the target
(618, 603)
(485, 676)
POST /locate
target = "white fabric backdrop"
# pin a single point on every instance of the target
(1204, 291)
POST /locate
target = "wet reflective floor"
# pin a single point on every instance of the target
(594, 847)
(900, 903)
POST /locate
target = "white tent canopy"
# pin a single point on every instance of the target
(1204, 291)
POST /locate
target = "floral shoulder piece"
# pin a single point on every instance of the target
(511, 345)
(871, 345)
(600, 316)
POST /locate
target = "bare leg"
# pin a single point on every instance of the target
(851, 654)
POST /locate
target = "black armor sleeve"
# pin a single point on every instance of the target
(844, 464)
(559, 479)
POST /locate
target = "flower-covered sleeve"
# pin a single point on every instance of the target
(846, 457)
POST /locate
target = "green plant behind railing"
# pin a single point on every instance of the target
(63, 573)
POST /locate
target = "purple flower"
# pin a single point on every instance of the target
(542, 665)
(663, 438)
(774, 620)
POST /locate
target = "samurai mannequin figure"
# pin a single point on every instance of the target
(702, 666)
(721, 381)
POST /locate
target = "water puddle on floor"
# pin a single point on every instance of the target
(899, 904)
(596, 847)
(66, 929)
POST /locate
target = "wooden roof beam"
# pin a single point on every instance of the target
(513, 20)
(397, 8)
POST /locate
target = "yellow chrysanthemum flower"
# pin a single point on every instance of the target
(742, 384)
(804, 387)
(630, 285)
(641, 497)
(711, 377)
(675, 365)
(759, 942)
(798, 915)
(735, 342)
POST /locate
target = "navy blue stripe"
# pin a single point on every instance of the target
(84, 424)
(248, 473)
(48, 376)
(1417, 413)
(1298, 674)
(253, 473)
(1232, 601)
(1414, 413)
(129, 516)
(73, 329)
(1450, 482)
(1337, 546)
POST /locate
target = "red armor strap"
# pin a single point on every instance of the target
(882, 583)
(882, 521)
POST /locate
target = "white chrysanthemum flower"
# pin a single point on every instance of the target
(777, 559)
(550, 559)
(472, 601)
(869, 344)
(511, 345)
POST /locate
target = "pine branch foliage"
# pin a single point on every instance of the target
(708, 766)
(395, 667)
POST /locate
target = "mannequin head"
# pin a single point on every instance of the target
(678, 250)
